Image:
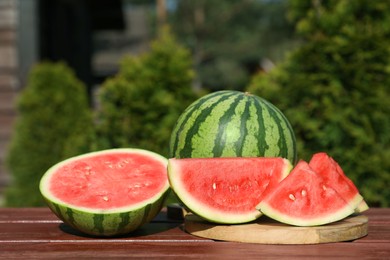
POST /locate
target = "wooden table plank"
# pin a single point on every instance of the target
(35, 233)
(205, 250)
(25, 232)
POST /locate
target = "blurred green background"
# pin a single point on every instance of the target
(119, 73)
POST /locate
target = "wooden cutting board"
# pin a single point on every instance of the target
(268, 231)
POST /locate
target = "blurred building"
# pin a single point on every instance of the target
(91, 36)
(8, 77)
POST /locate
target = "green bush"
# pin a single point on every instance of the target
(140, 105)
(335, 89)
(54, 122)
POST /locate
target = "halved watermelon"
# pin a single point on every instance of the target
(225, 190)
(304, 198)
(334, 176)
(109, 192)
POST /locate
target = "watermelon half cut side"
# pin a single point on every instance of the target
(225, 190)
(107, 193)
(303, 198)
(335, 177)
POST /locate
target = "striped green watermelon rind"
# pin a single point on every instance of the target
(105, 222)
(225, 190)
(304, 199)
(232, 124)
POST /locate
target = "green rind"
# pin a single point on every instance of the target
(232, 124)
(363, 206)
(356, 201)
(105, 223)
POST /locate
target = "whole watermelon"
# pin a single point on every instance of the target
(232, 124)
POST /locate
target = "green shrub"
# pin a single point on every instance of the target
(140, 105)
(335, 89)
(54, 122)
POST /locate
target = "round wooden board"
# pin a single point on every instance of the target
(268, 231)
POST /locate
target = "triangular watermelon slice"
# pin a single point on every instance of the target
(225, 190)
(334, 176)
(304, 198)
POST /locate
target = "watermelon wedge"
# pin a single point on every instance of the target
(334, 176)
(107, 193)
(304, 198)
(225, 190)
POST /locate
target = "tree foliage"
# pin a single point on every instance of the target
(229, 39)
(54, 122)
(140, 105)
(335, 88)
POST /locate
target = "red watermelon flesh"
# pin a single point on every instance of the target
(304, 198)
(109, 180)
(225, 190)
(334, 176)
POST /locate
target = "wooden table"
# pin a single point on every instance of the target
(29, 233)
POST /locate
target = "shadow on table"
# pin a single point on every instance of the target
(148, 229)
